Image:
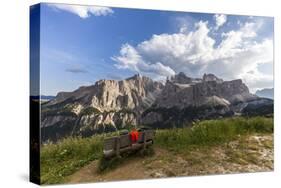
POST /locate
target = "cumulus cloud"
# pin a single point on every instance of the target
(166, 54)
(220, 20)
(131, 59)
(237, 55)
(83, 11)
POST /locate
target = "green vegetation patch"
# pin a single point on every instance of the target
(212, 132)
(61, 112)
(89, 111)
(122, 111)
(64, 158)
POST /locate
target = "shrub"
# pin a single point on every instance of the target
(89, 111)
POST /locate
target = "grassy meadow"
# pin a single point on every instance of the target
(66, 157)
(212, 132)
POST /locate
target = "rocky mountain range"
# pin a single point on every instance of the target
(266, 93)
(110, 105)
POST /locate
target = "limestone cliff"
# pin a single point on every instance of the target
(107, 105)
(110, 105)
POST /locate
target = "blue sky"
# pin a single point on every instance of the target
(82, 44)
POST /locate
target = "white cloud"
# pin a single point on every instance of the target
(83, 11)
(237, 55)
(130, 59)
(169, 52)
(220, 20)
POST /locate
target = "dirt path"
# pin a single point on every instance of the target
(250, 155)
(134, 168)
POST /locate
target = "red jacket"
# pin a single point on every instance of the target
(134, 136)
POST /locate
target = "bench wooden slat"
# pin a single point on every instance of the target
(122, 143)
(109, 143)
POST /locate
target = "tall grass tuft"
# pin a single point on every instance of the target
(210, 132)
(62, 159)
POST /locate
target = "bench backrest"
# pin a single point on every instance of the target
(125, 141)
(109, 143)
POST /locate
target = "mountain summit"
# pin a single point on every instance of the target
(110, 105)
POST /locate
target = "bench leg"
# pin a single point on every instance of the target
(144, 144)
(144, 141)
(117, 147)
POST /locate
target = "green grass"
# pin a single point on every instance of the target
(64, 158)
(212, 132)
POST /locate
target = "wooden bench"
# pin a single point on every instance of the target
(120, 144)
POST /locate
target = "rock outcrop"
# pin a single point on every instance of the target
(106, 106)
(186, 99)
(134, 93)
(210, 90)
(109, 105)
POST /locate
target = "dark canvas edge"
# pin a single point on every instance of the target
(34, 101)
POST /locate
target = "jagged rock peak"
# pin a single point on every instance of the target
(183, 91)
(139, 79)
(132, 93)
(109, 105)
(104, 81)
(136, 77)
(133, 79)
(181, 78)
(211, 77)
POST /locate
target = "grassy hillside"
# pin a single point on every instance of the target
(212, 132)
(63, 159)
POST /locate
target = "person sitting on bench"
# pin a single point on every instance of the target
(134, 135)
